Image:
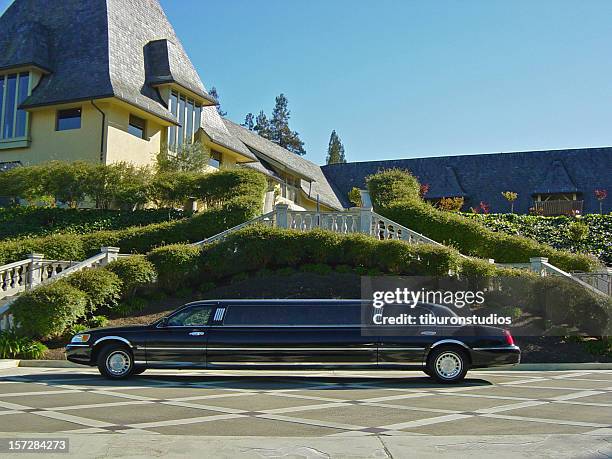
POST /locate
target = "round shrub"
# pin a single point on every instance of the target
(49, 310)
(176, 265)
(135, 272)
(392, 185)
(103, 287)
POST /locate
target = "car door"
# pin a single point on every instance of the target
(404, 345)
(180, 341)
(291, 335)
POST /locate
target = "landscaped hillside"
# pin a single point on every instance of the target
(589, 234)
(34, 221)
(395, 194)
(231, 196)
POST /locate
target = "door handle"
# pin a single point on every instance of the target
(428, 333)
(197, 333)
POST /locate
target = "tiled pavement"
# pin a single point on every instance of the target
(313, 404)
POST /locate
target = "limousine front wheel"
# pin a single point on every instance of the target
(115, 362)
(447, 365)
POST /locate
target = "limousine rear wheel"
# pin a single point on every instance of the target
(115, 361)
(447, 365)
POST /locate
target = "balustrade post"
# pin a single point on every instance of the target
(112, 253)
(282, 217)
(365, 220)
(34, 274)
(536, 265)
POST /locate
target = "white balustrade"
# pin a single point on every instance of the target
(26, 274)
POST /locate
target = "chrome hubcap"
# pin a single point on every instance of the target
(448, 365)
(118, 363)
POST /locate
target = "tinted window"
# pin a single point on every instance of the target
(68, 119)
(136, 127)
(305, 315)
(191, 317)
(20, 122)
(9, 106)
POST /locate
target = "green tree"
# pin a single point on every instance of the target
(67, 182)
(213, 92)
(262, 126)
(281, 133)
(249, 121)
(335, 149)
(189, 157)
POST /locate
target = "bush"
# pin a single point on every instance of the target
(102, 287)
(97, 321)
(176, 265)
(49, 310)
(555, 231)
(135, 272)
(238, 206)
(392, 185)
(129, 307)
(43, 221)
(394, 198)
(15, 346)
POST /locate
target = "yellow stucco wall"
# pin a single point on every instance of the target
(84, 144)
(123, 146)
(47, 144)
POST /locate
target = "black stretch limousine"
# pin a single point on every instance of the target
(281, 334)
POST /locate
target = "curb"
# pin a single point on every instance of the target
(519, 367)
(552, 367)
(8, 363)
(48, 364)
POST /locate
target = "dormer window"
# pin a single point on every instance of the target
(189, 113)
(14, 89)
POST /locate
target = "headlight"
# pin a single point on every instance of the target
(80, 338)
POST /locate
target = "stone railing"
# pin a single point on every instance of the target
(24, 275)
(541, 266)
(306, 220)
(601, 280)
(265, 219)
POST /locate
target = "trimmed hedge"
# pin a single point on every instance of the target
(42, 221)
(468, 236)
(102, 287)
(261, 247)
(49, 310)
(237, 206)
(134, 272)
(176, 265)
(556, 231)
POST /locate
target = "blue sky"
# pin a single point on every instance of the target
(403, 78)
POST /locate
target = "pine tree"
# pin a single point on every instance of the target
(281, 134)
(213, 92)
(335, 150)
(249, 122)
(262, 126)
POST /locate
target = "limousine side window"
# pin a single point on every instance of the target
(304, 315)
(191, 317)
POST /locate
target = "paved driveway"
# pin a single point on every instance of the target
(312, 404)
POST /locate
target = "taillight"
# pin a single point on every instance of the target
(509, 338)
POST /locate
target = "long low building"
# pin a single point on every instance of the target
(549, 182)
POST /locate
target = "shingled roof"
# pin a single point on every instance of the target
(95, 49)
(484, 177)
(312, 180)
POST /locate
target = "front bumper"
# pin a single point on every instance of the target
(79, 353)
(495, 356)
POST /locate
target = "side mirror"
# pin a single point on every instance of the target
(163, 322)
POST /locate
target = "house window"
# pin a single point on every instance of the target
(215, 159)
(68, 119)
(14, 89)
(137, 127)
(189, 114)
